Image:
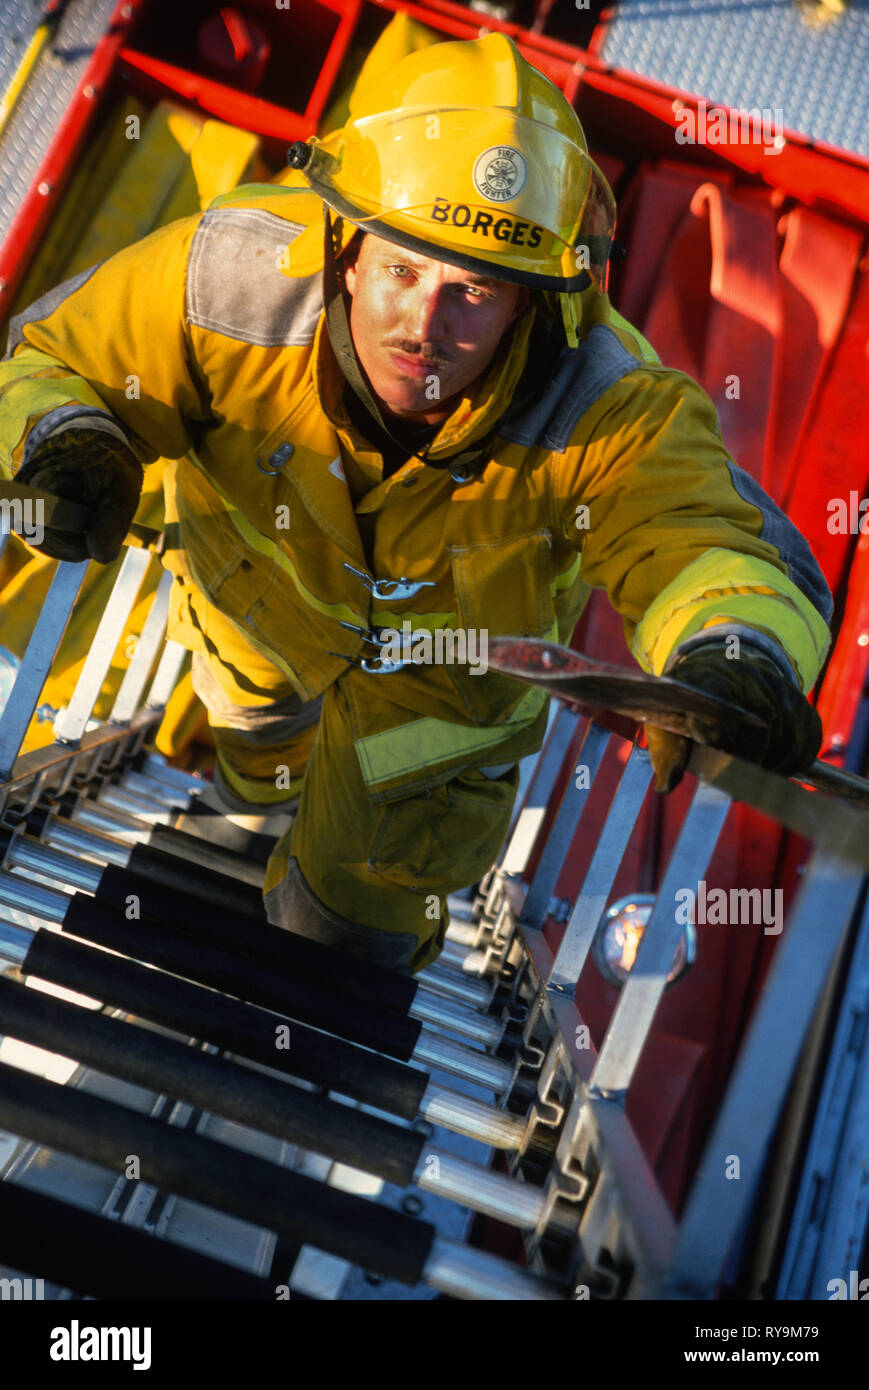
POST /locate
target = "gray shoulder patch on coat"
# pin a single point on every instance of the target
(581, 377)
(777, 530)
(44, 306)
(234, 284)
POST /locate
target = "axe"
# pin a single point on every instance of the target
(659, 700)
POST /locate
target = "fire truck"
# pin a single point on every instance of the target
(591, 1095)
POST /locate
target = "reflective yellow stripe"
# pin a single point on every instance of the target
(37, 395)
(256, 790)
(22, 365)
(723, 586)
(427, 742)
(274, 657)
(567, 577)
(260, 543)
(381, 617)
(246, 192)
(649, 353)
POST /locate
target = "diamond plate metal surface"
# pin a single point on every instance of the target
(744, 54)
(45, 98)
(18, 21)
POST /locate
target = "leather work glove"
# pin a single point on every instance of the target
(790, 740)
(94, 468)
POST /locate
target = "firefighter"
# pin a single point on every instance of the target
(395, 398)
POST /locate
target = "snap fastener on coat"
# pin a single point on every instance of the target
(463, 473)
(276, 460)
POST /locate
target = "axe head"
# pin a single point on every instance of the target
(597, 685)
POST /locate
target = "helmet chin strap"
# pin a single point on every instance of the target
(464, 466)
(570, 319)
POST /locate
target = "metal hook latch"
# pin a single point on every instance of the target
(378, 667)
(381, 666)
(390, 588)
(366, 633)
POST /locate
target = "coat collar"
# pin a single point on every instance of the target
(473, 415)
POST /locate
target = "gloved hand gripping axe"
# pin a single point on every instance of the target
(672, 709)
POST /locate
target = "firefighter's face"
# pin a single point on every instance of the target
(424, 330)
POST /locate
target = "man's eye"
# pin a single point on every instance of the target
(402, 271)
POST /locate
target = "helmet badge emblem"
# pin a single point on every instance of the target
(500, 173)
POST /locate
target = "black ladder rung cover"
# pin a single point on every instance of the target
(222, 923)
(217, 1175)
(228, 1023)
(193, 849)
(207, 823)
(145, 1058)
(172, 874)
(90, 1254)
(300, 998)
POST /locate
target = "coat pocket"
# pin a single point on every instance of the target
(503, 588)
(446, 838)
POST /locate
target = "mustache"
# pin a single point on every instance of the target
(427, 352)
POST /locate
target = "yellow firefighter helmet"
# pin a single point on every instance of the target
(467, 153)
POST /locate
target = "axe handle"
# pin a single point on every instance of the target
(827, 778)
(820, 775)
